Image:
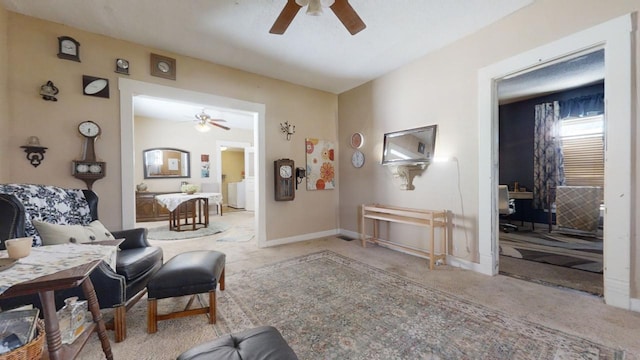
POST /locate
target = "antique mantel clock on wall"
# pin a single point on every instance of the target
(89, 169)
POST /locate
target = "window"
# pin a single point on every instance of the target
(583, 150)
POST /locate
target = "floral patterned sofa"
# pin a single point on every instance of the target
(23, 204)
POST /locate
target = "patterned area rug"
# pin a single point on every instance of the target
(557, 249)
(331, 307)
(163, 232)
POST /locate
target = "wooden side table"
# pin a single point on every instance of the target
(45, 286)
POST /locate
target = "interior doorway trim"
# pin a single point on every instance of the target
(615, 38)
(130, 88)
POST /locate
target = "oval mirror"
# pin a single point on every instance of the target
(161, 163)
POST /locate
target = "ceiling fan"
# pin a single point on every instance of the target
(204, 120)
(343, 10)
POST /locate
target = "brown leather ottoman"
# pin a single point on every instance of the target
(261, 343)
(189, 273)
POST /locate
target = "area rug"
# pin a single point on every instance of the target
(240, 233)
(331, 307)
(557, 249)
(163, 232)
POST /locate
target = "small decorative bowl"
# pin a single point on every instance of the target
(189, 188)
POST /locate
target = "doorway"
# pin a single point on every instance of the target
(551, 173)
(615, 38)
(130, 88)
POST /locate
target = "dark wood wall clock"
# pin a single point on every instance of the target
(163, 66)
(89, 169)
(68, 48)
(95, 86)
(284, 180)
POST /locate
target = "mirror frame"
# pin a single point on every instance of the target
(183, 153)
(427, 147)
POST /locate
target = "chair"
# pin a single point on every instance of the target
(136, 261)
(213, 187)
(506, 207)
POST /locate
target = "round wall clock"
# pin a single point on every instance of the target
(357, 159)
(357, 140)
(163, 66)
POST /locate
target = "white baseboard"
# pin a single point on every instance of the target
(353, 234)
(303, 237)
(634, 305)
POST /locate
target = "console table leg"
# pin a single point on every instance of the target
(54, 339)
(94, 307)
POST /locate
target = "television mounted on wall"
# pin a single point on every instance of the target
(406, 147)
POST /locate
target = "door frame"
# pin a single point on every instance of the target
(615, 37)
(130, 88)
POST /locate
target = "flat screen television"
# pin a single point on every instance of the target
(413, 146)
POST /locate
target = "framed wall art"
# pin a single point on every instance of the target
(320, 164)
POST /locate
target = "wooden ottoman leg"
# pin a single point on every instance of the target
(120, 323)
(212, 306)
(152, 313)
(222, 279)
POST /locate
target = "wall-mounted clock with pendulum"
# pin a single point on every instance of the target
(88, 168)
(284, 180)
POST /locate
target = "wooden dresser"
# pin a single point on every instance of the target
(148, 209)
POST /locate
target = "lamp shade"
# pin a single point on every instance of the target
(202, 126)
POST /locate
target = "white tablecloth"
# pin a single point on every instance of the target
(47, 260)
(171, 201)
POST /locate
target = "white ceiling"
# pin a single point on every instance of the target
(317, 52)
(172, 110)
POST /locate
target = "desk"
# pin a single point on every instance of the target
(521, 195)
(44, 286)
(180, 203)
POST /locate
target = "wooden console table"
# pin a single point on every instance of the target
(425, 218)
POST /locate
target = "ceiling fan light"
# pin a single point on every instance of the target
(302, 3)
(202, 126)
(314, 8)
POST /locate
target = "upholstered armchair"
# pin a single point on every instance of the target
(136, 261)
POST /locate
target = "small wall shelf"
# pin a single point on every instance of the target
(406, 173)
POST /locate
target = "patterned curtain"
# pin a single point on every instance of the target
(548, 162)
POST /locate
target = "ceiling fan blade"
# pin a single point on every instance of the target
(285, 18)
(218, 125)
(220, 120)
(348, 16)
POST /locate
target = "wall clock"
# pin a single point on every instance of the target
(357, 159)
(68, 48)
(162, 66)
(94, 86)
(357, 140)
(122, 66)
(89, 169)
(284, 180)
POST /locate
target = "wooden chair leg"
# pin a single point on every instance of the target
(120, 323)
(212, 306)
(152, 313)
(222, 280)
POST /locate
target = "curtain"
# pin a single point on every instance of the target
(548, 162)
(589, 105)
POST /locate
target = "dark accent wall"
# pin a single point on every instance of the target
(516, 121)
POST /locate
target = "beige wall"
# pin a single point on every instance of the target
(33, 61)
(232, 168)
(153, 133)
(441, 88)
(4, 101)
